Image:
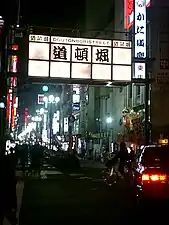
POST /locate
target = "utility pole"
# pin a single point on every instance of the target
(146, 129)
(148, 82)
(50, 125)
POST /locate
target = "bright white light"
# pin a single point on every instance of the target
(51, 98)
(29, 128)
(2, 105)
(45, 99)
(36, 119)
(109, 84)
(42, 111)
(57, 99)
(109, 120)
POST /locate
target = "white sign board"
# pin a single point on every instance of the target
(140, 29)
(140, 71)
(79, 58)
(140, 40)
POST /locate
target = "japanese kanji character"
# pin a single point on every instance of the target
(140, 55)
(60, 52)
(140, 30)
(127, 44)
(39, 38)
(140, 42)
(116, 44)
(140, 68)
(46, 39)
(122, 44)
(32, 38)
(102, 55)
(81, 54)
(140, 17)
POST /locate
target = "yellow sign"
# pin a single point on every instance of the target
(163, 141)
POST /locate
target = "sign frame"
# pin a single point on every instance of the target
(99, 43)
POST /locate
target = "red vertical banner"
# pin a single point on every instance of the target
(11, 102)
(10, 96)
(8, 105)
(128, 11)
(14, 113)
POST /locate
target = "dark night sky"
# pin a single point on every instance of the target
(57, 14)
(63, 13)
(50, 12)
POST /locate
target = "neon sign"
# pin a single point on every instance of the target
(129, 12)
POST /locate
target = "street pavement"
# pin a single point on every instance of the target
(19, 193)
(92, 164)
(83, 198)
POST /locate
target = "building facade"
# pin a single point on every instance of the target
(118, 108)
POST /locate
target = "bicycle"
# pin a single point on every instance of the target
(111, 175)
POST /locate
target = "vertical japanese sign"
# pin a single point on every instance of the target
(140, 38)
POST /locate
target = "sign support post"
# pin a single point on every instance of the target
(146, 127)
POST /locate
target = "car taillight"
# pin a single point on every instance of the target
(154, 177)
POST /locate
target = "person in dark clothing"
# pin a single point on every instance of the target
(36, 159)
(131, 161)
(24, 157)
(123, 156)
(8, 199)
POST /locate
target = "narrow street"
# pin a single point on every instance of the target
(82, 199)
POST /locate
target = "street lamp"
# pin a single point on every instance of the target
(51, 99)
(57, 99)
(109, 120)
(36, 119)
(42, 111)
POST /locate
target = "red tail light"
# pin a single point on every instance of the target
(154, 177)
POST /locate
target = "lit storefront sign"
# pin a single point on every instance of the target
(9, 107)
(79, 58)
(76, 98)
(12, 103)
(66, 126)
(55, 122)
(140, 38)
(13, 65)
(41, 99)
(140, 70)
(129, 12)
(140, 29)
(14, 112)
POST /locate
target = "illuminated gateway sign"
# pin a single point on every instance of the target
(79, 58)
